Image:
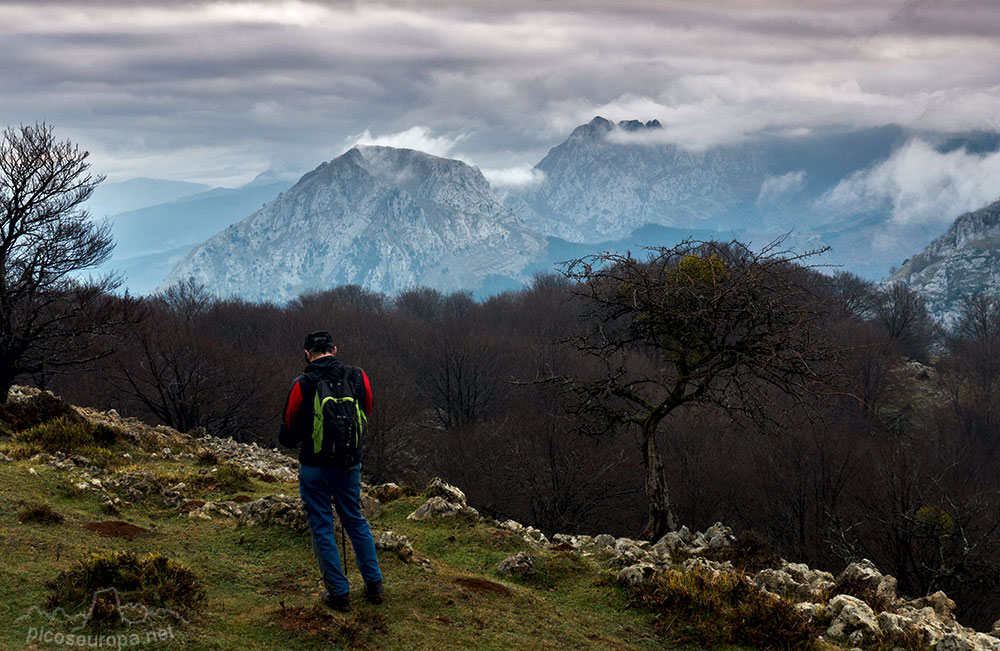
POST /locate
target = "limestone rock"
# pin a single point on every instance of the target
(713, 569)
(851, 615)
(274, 509)
(439, 488)
(371, 507)
(795, 581)
(437, 505)
(521, 564)
(864, 573)
(603, 541)
(939, 601)
(388, 540)
(636, 575)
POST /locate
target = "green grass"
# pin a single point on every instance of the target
(261, 585)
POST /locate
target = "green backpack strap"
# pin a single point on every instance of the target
(318, 403)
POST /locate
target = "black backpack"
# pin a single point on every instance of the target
(338, 419)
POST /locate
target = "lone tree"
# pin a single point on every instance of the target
(47, 318)
(701, 322)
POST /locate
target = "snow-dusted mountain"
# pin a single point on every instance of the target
(381, 217)
(839, 188)
(603, 182)
(963, 261)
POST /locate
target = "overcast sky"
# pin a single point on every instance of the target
(217, 92)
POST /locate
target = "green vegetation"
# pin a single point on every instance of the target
(710, 610)
(232, 478)
(39, 514)
(153, 580)
(39, 408)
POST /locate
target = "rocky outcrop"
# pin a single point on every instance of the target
(964, 261)
(521, 564)
(848, 619)
(444, 500)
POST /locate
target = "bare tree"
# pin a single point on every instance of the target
(46, 236)
(702, 322)
(902, 313)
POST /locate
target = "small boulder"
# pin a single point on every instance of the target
(397, 543)
(864, 574)
(439, 488)
(603, 541)
(436, 505)
(272, 509)
(521, 564)
(371, 507)
(851, 615)
(637, 575)
(719, 536)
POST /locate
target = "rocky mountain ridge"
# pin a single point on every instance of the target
(385, 218)
(963, 261)
(391, 219)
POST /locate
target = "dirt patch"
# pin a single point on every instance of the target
(563, 547)
(191, 505)
(242, 499)
(268, 478)
(481, 585)
(115, 529)
(289, 583)
(312, 620)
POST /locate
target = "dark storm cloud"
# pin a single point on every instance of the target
(220, 90)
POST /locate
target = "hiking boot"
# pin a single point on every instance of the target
(373, 592)
(341, 602)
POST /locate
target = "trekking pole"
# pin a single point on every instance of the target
(343, 545)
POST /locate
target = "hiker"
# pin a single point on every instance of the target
(325, 413)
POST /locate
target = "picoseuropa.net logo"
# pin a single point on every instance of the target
(131, 624)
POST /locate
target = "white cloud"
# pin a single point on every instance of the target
(418, 138)
(521, 176)
(921, 186)
(295, 78)
(774, 187)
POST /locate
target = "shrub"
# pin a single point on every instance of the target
(67, 435)
(232, 478)
(855, 587)
(153, 581)
(207, 458)
(750, 553)
(708, 610)
(40, 408)
(39, 513)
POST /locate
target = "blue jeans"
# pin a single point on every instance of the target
(317, 486)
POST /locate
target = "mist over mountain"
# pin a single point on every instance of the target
(847, 189)
(964, 261)
(385, 218)
(150, 240)
(113, 198)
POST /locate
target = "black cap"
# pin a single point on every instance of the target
(318, 342)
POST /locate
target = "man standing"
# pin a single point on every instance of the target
(326, 413)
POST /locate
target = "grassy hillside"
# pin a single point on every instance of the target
(114, 534)
(260, 583)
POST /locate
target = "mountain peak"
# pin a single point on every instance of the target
(963, 261)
